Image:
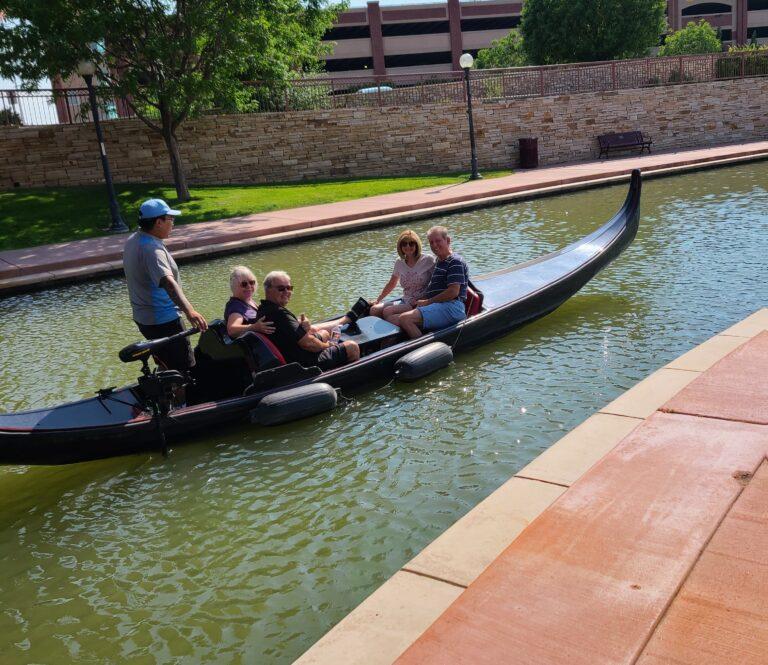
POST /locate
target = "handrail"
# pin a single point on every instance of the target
(70, 105)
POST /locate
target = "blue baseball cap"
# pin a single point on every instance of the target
(156, 208)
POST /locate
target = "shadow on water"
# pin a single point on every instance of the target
(29, 490)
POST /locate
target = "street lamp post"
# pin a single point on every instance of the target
(87, 69)
(465, 62)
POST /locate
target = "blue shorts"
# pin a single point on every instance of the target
(440, 315)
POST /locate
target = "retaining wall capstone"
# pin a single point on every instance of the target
(345, 143)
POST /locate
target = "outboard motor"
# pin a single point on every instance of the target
(158, 387)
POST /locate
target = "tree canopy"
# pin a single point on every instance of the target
(698, 37)
(504, 52)
(169, 59)
(557, 31)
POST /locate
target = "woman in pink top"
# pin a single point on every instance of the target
(412, 270)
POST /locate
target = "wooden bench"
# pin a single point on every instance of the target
(623, 141)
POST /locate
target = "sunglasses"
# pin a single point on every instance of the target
(282, 288)
(408, 243)
(248, 282)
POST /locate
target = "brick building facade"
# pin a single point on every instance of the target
(430, 37)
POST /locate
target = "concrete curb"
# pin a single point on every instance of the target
(395, 615)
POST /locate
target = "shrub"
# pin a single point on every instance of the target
(504, 52)
(754, 56)
(693, 38)
(9, 117)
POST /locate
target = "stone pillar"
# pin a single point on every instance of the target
(61, 102)
(454, 21)
(742, 17)
(673, 14)
(377, 41)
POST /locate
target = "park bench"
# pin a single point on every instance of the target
(623, 141)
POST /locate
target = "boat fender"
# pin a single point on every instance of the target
(423, 361)
(288, 405)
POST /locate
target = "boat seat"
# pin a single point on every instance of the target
(256, 349)
(474, 302)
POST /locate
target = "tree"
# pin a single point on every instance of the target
(504, 52)
(556, 31)
(698, 37)
(168, 59)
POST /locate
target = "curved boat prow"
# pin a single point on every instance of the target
(631, 208)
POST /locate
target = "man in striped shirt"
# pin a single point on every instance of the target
(443, 304)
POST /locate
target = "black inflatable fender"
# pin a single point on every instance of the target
(423, 361)
(285, 406)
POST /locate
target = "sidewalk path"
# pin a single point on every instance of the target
(659, 554)
(639, 537)
(47, 265)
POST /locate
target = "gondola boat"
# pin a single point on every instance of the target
(228, 386)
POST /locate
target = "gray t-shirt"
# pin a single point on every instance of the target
(146, 260)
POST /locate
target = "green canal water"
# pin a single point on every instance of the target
(248, 544)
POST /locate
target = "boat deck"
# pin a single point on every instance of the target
(641, 536)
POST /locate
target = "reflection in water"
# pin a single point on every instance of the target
(247, 544)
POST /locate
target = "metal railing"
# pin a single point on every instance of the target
(361, 92)
(51, 107)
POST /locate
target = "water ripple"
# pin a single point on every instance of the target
(246, 545)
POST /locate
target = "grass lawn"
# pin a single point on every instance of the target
(30, 217)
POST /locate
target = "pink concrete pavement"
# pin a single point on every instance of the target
(656, 555)
(27, 269)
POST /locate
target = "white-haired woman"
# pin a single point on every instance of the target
(241, 312)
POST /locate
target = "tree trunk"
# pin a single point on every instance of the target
(179, 177)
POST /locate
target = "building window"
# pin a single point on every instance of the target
(420, 28)
(493, 23)
(707, 8)
(757, 5)
(726, 35)
(759, 32)
(348, 64)
(347, 32)
(417, 59)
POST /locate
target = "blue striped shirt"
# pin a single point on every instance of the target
(452, 270)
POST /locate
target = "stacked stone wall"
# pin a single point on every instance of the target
(343, 143)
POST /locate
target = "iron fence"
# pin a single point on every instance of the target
(42, 107)
(51, 107)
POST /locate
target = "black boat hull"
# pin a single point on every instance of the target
(117, 425)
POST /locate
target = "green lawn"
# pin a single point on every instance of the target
(30, 217)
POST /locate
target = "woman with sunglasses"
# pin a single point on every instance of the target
(412, 270)
(241, 312)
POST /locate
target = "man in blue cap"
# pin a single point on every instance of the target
(154, 287)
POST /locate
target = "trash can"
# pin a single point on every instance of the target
(529, 153)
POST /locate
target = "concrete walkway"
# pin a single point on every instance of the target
(640, 537)
(47, 265)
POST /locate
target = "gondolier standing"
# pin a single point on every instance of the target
(154, 287)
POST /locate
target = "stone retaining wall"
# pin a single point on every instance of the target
(391, 141)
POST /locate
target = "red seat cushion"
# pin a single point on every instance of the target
(271, 348)
(474, 302)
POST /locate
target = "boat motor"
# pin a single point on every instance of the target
(158, 387)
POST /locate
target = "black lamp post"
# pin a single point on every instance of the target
(87, 69)
(465, 62)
